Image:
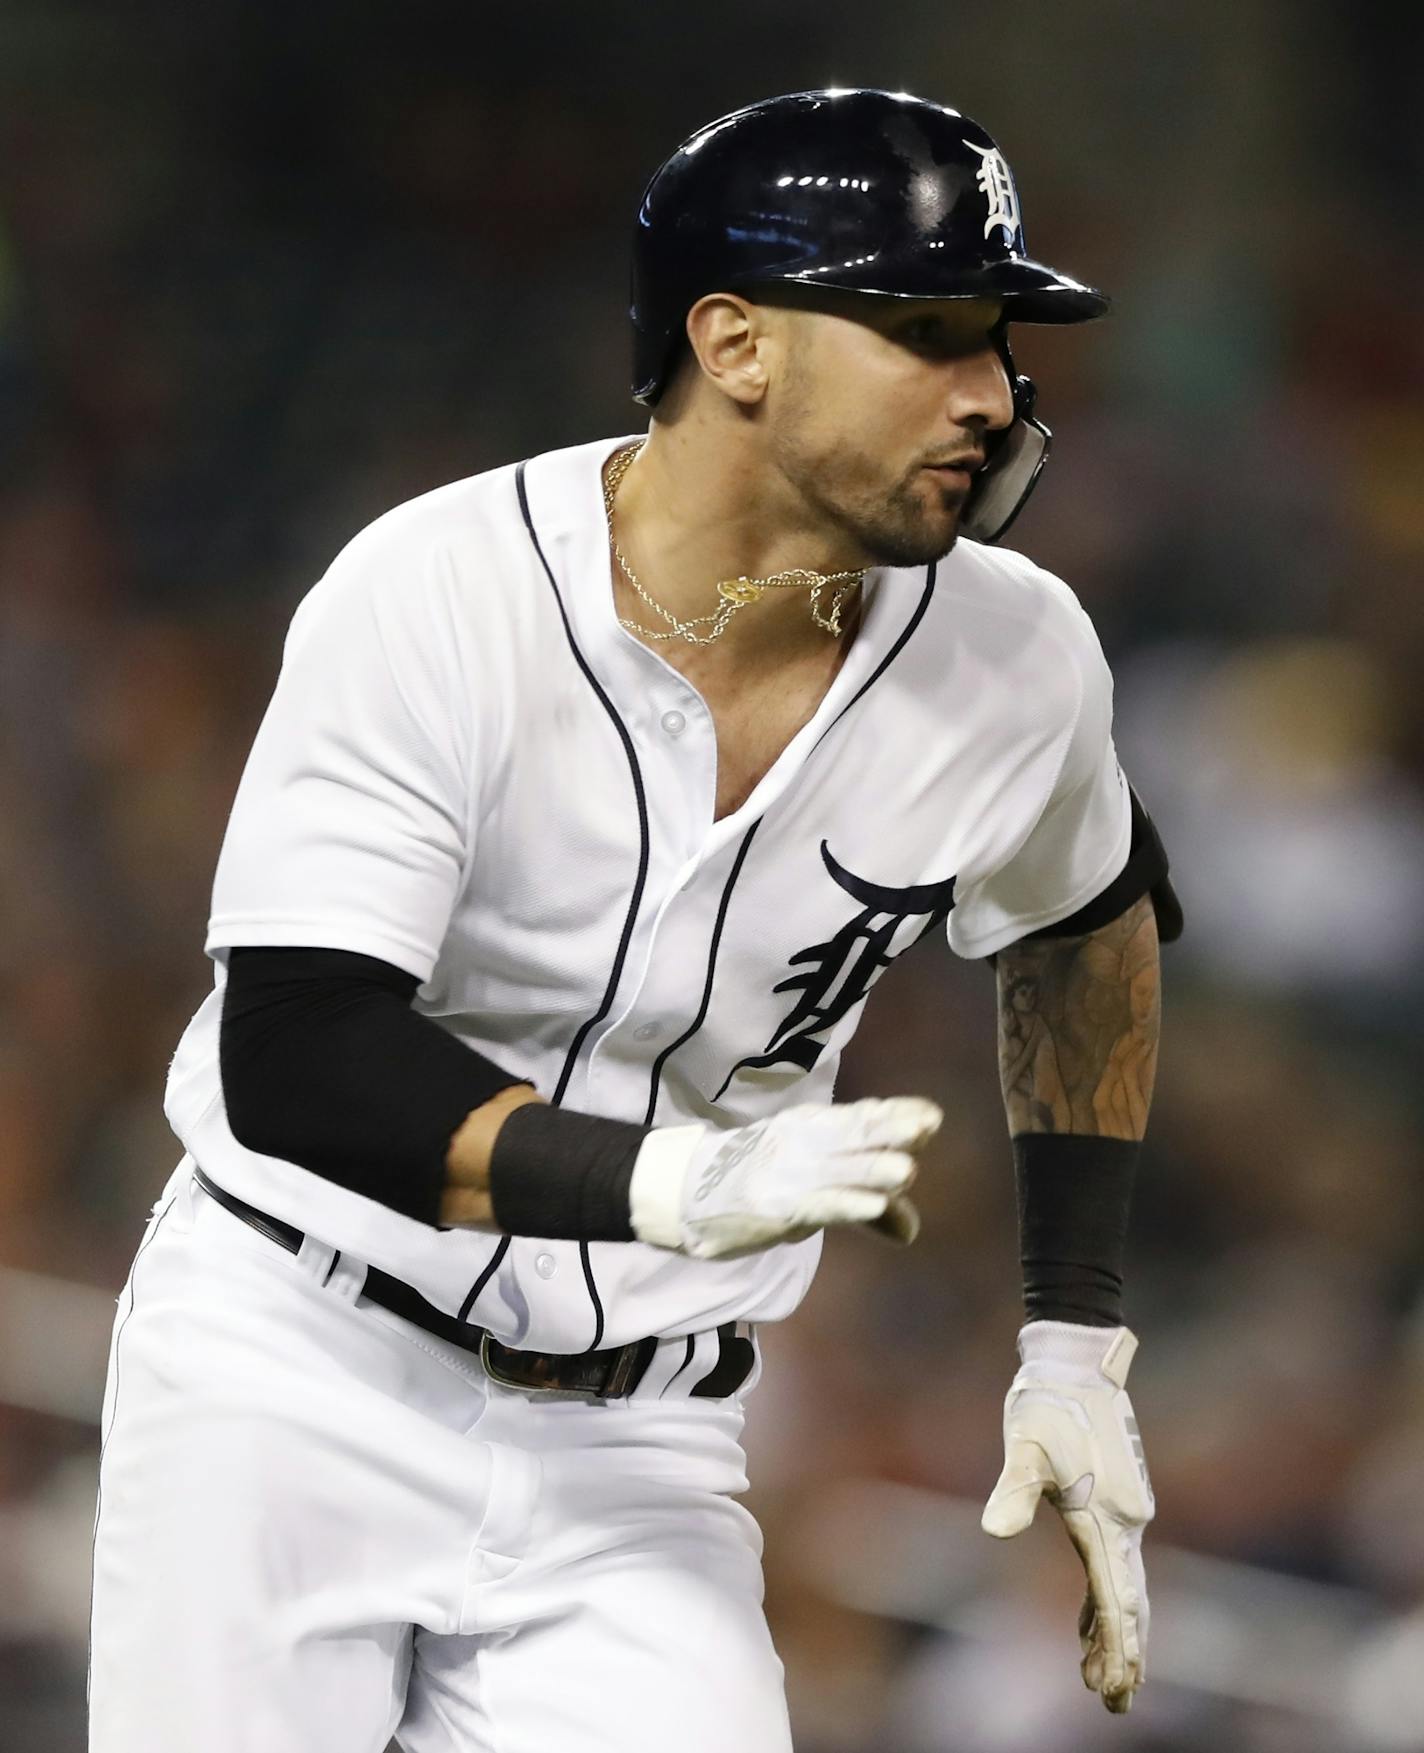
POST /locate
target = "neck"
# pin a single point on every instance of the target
(688, 514)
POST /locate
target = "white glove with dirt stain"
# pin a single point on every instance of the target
(716, 1194)
(1070, 1436)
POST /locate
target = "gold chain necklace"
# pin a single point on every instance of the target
(735, 593)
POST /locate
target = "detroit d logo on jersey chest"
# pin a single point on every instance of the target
(831, 978)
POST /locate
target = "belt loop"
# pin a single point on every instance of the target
(316, 1259)
(345, 1277)
(631, 1361)
(669, 1361)
(700, 1354)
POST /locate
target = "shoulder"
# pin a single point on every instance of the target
(475, 532)
(1014, 636)
(467, 541)
(460, 519)
(999, 587)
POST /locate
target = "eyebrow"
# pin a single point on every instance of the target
(966, 326)
(962, 311)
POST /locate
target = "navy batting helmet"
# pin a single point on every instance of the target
(869, 191)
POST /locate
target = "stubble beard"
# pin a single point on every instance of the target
(895, 529)
(905, 534)
(898, 528)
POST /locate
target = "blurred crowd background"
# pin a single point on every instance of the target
(266, 270)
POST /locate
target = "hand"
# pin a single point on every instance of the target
(1070, 1436)
(713, 1194)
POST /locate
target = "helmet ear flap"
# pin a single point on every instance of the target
(1002, 486)
(1015, 459)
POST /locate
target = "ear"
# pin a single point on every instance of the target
(729, 337)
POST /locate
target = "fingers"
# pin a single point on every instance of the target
(898, 1223)
(1110, 1625)
(1014, 1499)
(864, 1184)
(880, 1122)
(894, 1217)
(1144, 1614)
(825, 1206)
(882, 1171)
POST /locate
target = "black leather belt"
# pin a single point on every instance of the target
(601, 1375)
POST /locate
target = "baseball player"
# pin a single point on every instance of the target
(594, 795)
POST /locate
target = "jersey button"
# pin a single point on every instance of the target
(546, 1266)
(673, 723)
(647, 1032)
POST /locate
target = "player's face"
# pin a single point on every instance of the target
(879, 400)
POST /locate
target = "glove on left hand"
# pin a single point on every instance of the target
(1070, 1436)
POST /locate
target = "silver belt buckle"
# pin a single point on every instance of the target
(538, 1389)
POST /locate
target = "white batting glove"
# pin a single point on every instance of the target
(711, 1194)
(1070, 1436)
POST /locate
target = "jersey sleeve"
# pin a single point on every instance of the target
(351, 825)
(1080, 840)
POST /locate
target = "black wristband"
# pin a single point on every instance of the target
(1074, 1199)
(563, 1175)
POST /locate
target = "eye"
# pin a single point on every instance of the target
(932, 334)
(935, 335)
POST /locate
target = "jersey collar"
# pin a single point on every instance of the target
(565, 496)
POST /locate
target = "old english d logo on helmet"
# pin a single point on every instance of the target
(997, 182)
(868, 191)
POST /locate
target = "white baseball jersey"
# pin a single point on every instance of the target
(471, 770)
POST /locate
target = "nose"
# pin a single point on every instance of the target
(979, 392)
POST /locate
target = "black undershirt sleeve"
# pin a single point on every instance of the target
(1145, 873)
(324, 1064)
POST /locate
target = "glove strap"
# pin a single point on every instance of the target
(1107, 1351)
(659, 1175)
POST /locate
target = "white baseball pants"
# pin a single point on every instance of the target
(320, 1527)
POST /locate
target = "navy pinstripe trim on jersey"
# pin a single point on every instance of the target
(594, 1297)
(691, 1349)
(701, 1016)
(491, 1267)
(635, 899)
(904, 639)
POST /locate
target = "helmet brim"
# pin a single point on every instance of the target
(1031, 291)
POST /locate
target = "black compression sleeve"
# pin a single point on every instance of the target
(1074, 1199)
(324, 1064)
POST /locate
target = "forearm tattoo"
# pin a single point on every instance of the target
(1078, 1027)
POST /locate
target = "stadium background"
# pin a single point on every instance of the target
(267, 269)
